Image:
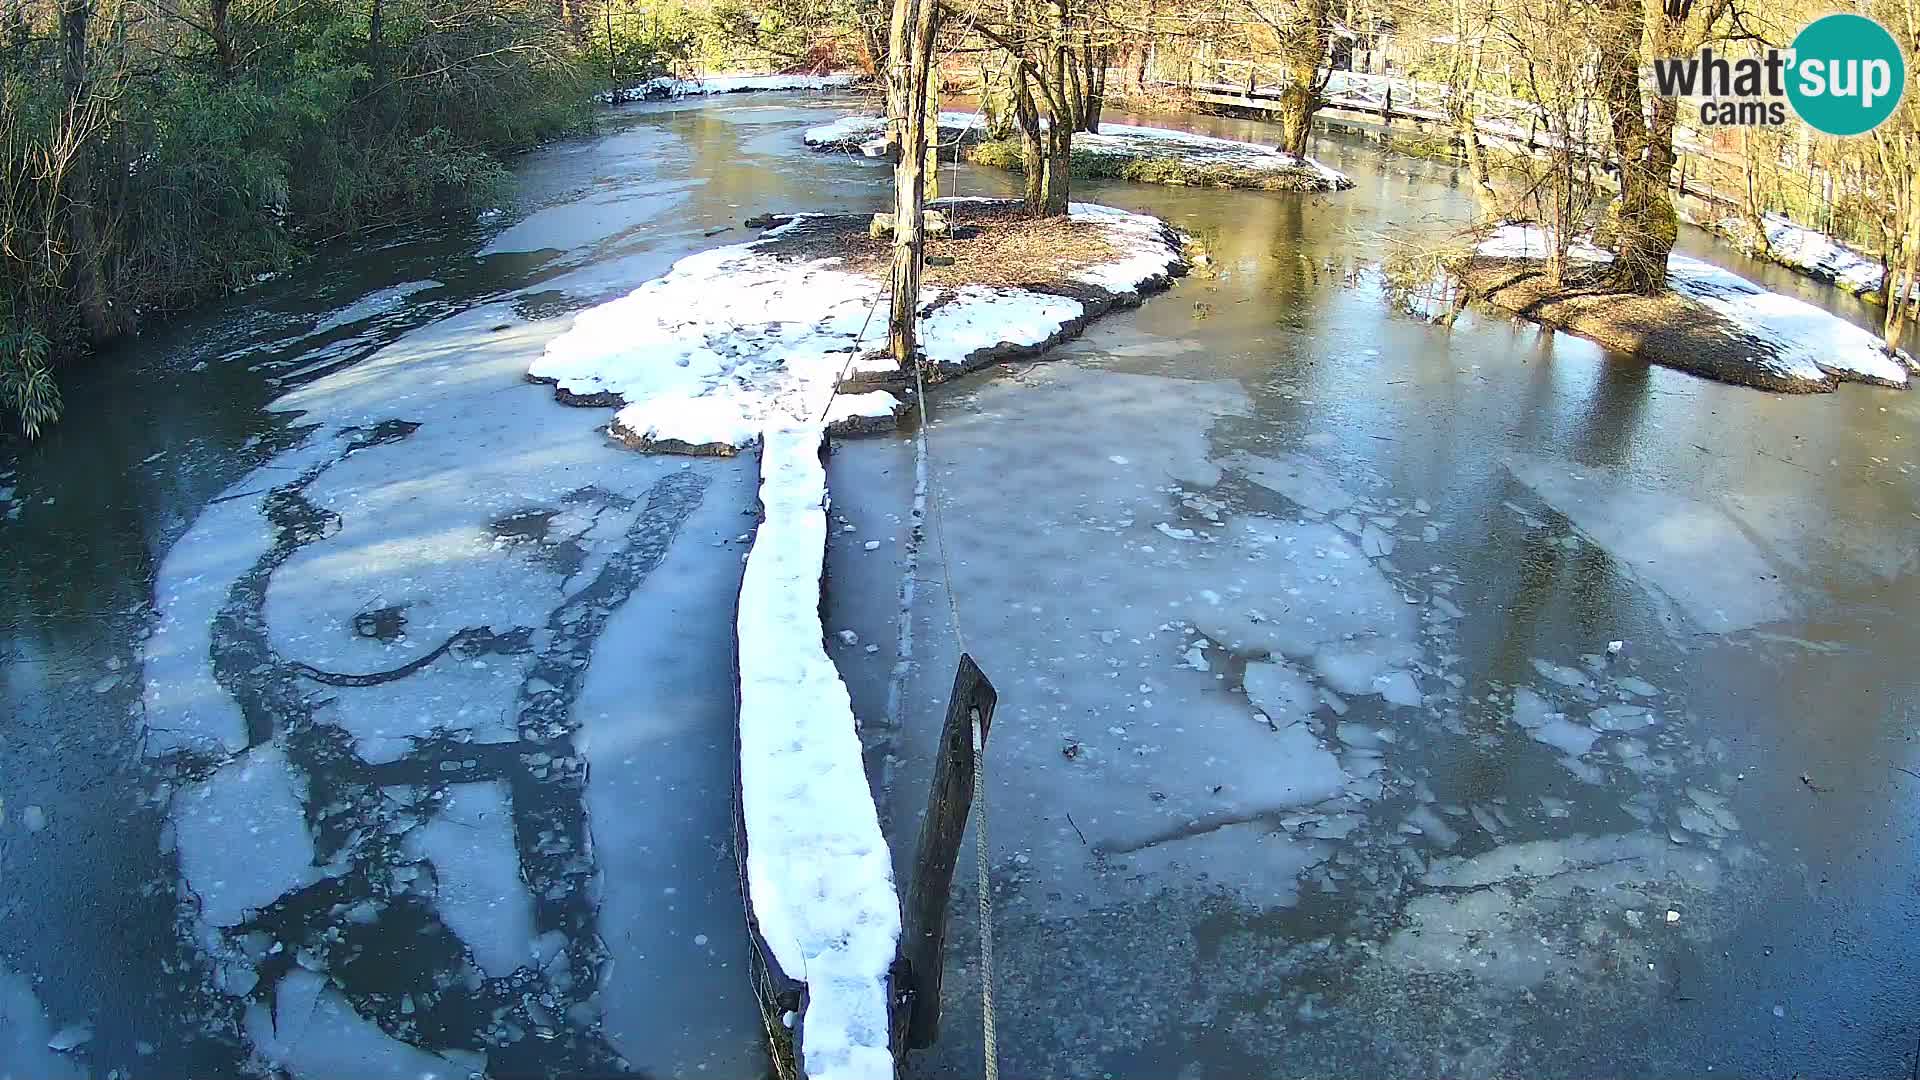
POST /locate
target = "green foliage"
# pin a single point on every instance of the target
(197, 176)
(27, 389)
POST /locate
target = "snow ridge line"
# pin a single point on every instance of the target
(819, 873)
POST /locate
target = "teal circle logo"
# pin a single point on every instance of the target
(1848, 74)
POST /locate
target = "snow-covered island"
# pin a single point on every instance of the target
(774, 342)
(1710, 321)
(787, 328)
(667, 87)
(1147, 155)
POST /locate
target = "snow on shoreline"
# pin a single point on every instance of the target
(1812, 253)
(818, 868)
(667, 87)
(1808, 344)
(867, 135)
(740, 339)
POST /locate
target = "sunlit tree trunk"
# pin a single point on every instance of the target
(1033, 149)
(1644, 223)
(910, 55)
(1303, 49)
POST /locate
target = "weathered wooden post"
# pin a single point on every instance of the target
(923, 939)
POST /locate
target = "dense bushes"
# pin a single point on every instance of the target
(151, 160)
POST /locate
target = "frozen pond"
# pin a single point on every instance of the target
(389, 732)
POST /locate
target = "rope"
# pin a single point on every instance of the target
(989, 1040)
(989, 1037)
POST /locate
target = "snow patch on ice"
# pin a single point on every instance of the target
(1113, 140)
(667, 87)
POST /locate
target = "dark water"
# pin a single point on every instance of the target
(1285, 348)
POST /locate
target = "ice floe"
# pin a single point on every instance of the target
(242, 835)
(479, 892)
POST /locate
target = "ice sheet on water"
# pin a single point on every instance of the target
(1279, 691)
(1519, 913)
(242, 835)
(185, 706)
(656, 732)
(1692, 552)
(27, 1042)
(1296, 476)
(1257, 864)
(1082, 645)
(1369, 666)
(1530, 710)
(314, 1034)
(374, 303)
(479, 893)
(1565, 735)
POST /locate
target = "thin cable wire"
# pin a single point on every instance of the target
(989, 1035)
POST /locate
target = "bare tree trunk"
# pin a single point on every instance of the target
(1461, 105)
(1750, 195)
(1303, 50)
(220, 29)
(1096, 101)
(1033, 151)
(1059, 168)
(910, 56)
(1143, 52)
(83, 234)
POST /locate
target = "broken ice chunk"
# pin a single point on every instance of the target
(1279, 691)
